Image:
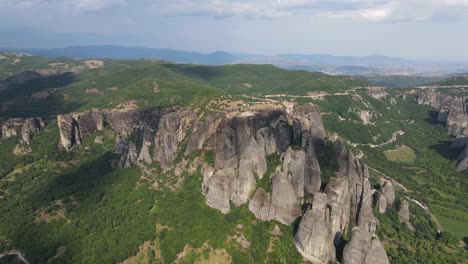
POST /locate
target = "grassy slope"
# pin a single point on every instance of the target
(457, 80)
(178, 85)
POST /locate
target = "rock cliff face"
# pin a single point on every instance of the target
(172, 129)
(347, 201)
(314, 237)
(364, 248)
(24, 127)
(453, 111)
(284, 201)
(132, 122)
(241, 145)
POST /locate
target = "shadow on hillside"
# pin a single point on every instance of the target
(16, 98)
(432, 119)
(27, 83)
(444, 149)
(87, 184)
(198, 71)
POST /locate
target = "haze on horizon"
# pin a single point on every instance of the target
(414, 29)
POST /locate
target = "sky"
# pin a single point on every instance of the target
(415, 29)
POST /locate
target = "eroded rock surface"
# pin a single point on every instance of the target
(314, 237)
(364, 248)
(19, 126)
(452, 110)
(347, 201)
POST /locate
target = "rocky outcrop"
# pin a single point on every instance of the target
(203, 133)
(20, 126)
(127, 152)
(365, 116)
(284, 202)
(453, 111)
(314, 237)
(127, 122)
(74, 127)
(347, 201)
(337, 191)
(377, 92)
(242, 145)
(172, 129)
(364, 247)
(381, 202)
(388, 192)
(404, 214)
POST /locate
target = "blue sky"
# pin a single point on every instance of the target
(420, 29)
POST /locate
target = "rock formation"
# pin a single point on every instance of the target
(284, 202)
(388, 192)
(347, 201)
(24, 127)
(314, 237)
(127, 152)
(377, 92)
(364, 248)
(172, 129)
(381, 202)
(127, 122)
(242, 144)
(453, 111)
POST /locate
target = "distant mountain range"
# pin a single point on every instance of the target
(374, 64)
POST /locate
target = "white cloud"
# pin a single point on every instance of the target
(361, 10)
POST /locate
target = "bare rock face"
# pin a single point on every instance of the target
(462, 160)
(30, 127)
(393, 101)
(260, 204)
(314, 237)
(404, 213)
(69, 132)
(365, 116)
(172, 130)
(216, 189)
(145, 155)
(312, 173)
(403, 210)
(127, 152)
(26, 127)
(74, 127)
(388, 192)
(364, 248)
(337, 191)
(347, 201)
(444, 108)
(241, 146)
(128, 122)
(377, 92)
(453, 111)
(284, 202)
(310, 120)
(381, 202)
(203, 133)
(89, 122)
(457, 120)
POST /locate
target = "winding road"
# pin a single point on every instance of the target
(18, 253)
